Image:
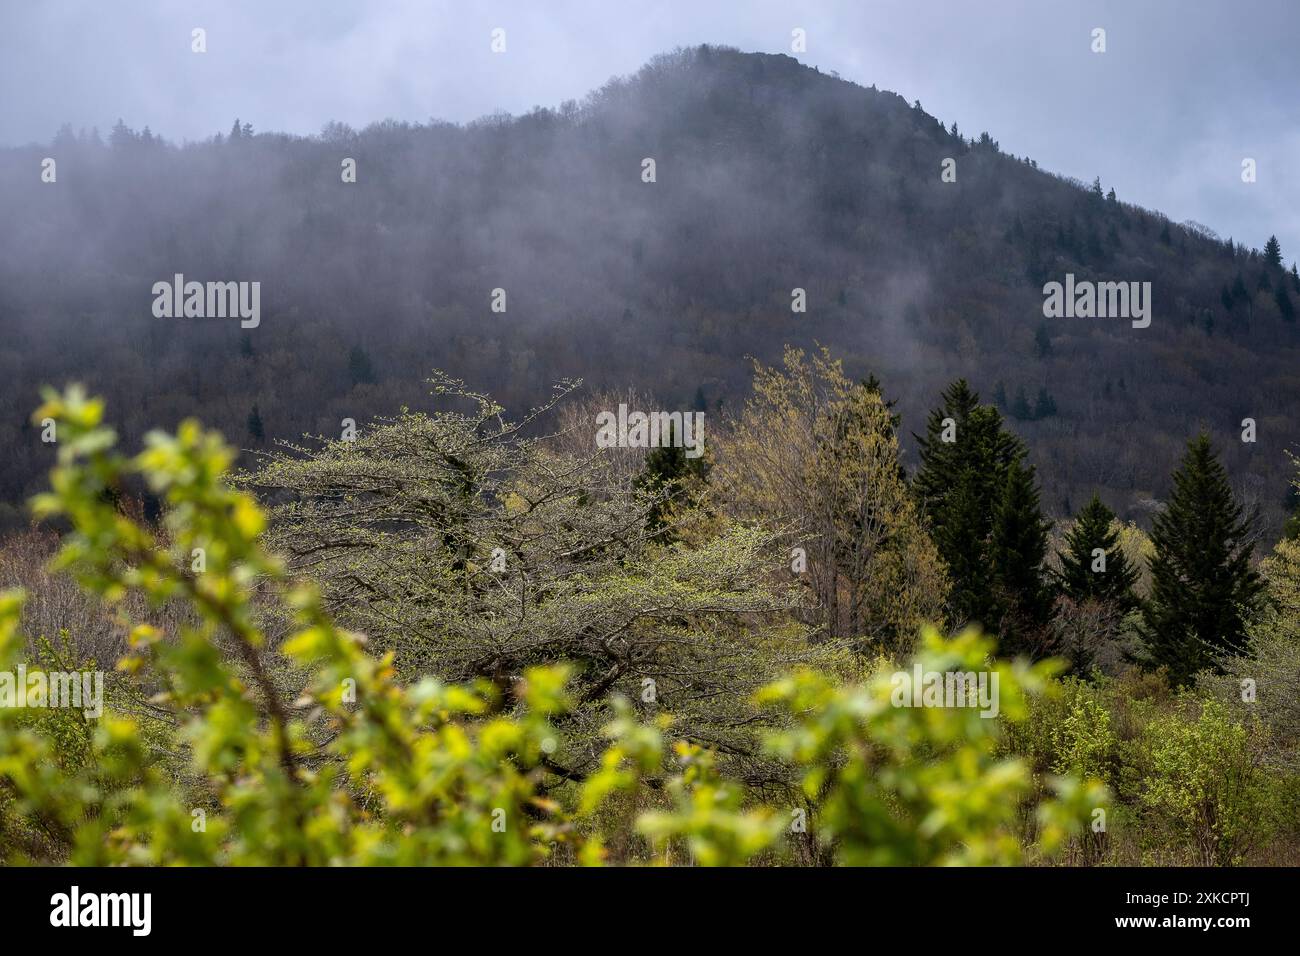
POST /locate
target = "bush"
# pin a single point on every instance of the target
(1203, 781)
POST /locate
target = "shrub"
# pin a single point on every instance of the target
(1204, 782)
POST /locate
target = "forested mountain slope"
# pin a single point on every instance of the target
(768, 176)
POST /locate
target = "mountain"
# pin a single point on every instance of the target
(768, 177)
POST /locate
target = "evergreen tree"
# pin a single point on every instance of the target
(959, 486)
(121, 136)
(1273, 252)
(1022, 600)
(872, 384)
(1042, 341)
(1164, 235)
(939, 458)
(359, 367)
(1291, 529)
(1284, 305)
(1020, 409)
(255, 428)
(669, 473)
(1086, 575)
(1000, 395)
(1203, 589)
(1295, 278)
(1239, 291)
(1045, 406)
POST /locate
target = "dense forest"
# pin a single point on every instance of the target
(768, 177)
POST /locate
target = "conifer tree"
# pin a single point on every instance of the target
(959, 486)
(1203, 590)
(359, 367)
(1021, 597)
(1284, 305)
(255, 428)
(1020, 407)
(1086, 575)
(1042, 341)
(668, 473)
(1273, 252)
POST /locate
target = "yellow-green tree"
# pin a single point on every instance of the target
(816, 453)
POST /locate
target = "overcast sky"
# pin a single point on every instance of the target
(1184, 91)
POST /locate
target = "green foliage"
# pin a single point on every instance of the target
(361, 768)
(921, 785)
(1203, 590)
(360, 368)
(817, 453)
(1273, 252)
(674, 480)
(959, 486)
(1085, 576)
(1204, 782)
(256, 429)
(471, 549)
(1017, 548)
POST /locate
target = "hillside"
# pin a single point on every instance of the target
(768, 176)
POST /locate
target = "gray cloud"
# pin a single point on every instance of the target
(1183, 93)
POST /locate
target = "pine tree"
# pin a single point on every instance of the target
(1284, 305)
(959, 486)
(1044, 405)
(669, 473)
(1022, 599)
(1042, 341)
(255, 428)
(1020, 409)
(1086, 575)
(939, 458)
(360, 367)
(1239, 291)
(1273, 252)
(1203, 589)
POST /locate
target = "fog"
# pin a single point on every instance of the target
(1166, 114)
